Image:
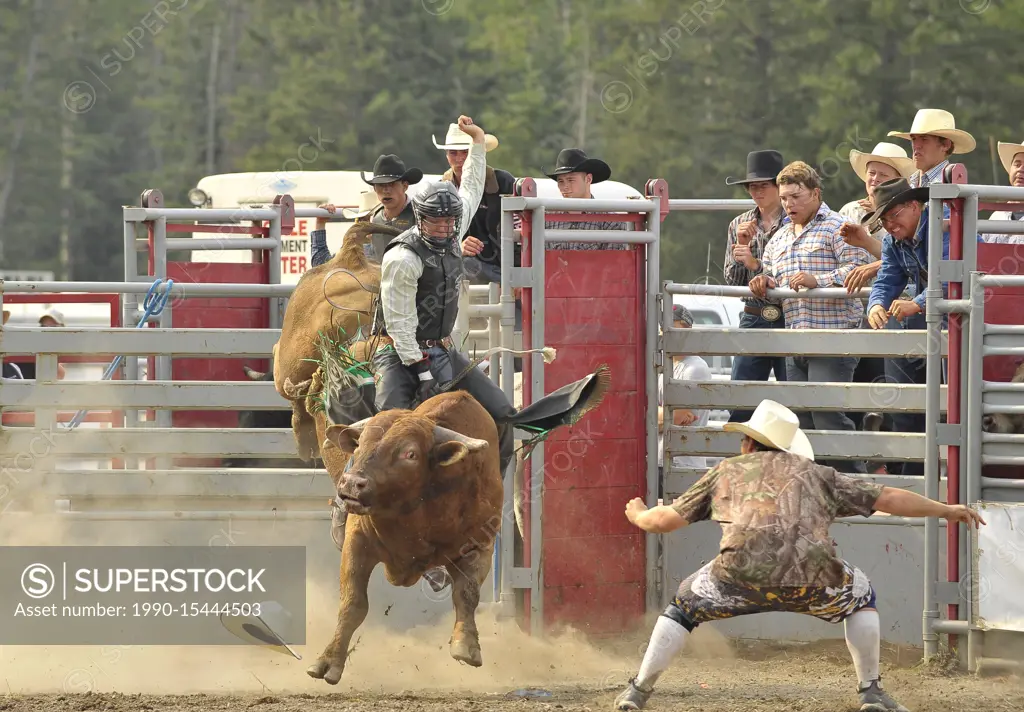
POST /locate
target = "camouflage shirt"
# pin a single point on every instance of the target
(775, 510)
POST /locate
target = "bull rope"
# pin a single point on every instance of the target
(154, 304)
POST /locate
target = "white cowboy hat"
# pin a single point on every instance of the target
(888, 153)
(775, 425)
(53, 314)
(1006, 153)
(260, 630)
(459, 140)
(938, 122)
(368, 200)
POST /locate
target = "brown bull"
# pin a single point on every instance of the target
(334, 299)
(424, 490)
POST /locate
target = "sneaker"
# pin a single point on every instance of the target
(438, 578)
(632, 698)
(874, 699)
(338, 517)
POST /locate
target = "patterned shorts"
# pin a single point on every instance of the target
(702, 598)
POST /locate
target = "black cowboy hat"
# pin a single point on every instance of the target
(891, 194)
(391, 168)
(761, 166)
(571, 160)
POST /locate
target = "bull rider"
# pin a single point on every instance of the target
(419, 300)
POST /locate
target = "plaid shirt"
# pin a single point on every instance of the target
(934, 175)
(581, 225)
(821, 252)
(736, 273)
(1004, 238)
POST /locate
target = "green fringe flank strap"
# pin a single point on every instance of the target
(337, 369)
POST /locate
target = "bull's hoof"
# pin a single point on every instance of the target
(467, 651)
(324, 670)
(318, 669)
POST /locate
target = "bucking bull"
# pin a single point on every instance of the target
(425, 487)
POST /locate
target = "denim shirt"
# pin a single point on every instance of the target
(902, 263)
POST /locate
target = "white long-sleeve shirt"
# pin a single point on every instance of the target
(400, 269)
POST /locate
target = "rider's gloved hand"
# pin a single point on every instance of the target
(427, 384)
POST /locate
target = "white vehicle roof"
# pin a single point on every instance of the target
(311, 188)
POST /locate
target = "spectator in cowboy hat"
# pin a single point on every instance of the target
(575, 172)
(885, 162)
(746, 237)
(1012, 157)
(390, 181)
(52, 317)
(934, 138)
(903, 211)
(482, 245)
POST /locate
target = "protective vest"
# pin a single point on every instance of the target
(437, 292)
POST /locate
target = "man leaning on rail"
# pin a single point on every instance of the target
(775, 506)
(807, 253)
(903, 212)
(746, 238)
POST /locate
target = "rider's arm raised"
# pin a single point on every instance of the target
(471, 187)
(400, 271)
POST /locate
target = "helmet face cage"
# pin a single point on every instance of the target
(438, 200)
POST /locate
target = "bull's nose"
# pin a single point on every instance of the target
(355, 484)
(986, 422)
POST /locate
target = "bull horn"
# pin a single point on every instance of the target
(442, 435)
(253, 374)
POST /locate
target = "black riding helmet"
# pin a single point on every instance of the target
(439, 199)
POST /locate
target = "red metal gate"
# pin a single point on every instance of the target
(593, 562)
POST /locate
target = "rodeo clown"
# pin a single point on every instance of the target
(775, 505)
(421, 272)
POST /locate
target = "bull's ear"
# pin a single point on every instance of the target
(346, 437)
(450, 452)
(343, 437)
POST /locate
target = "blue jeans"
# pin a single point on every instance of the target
(827, 369)
(756, 368)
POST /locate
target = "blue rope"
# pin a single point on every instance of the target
(153, 304)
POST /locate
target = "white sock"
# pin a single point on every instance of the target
(864, 638)
(667, 639)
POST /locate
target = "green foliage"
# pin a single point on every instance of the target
(657, 88)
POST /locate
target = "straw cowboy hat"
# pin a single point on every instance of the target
(937, 122)
(888, 153)
(761, 166)
(775, 425)
(391, 168)
(573, 160)
(368, 200)
(458, 140)
(1007, 151)
(7, 315)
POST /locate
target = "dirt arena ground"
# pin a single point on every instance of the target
(414, 672)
